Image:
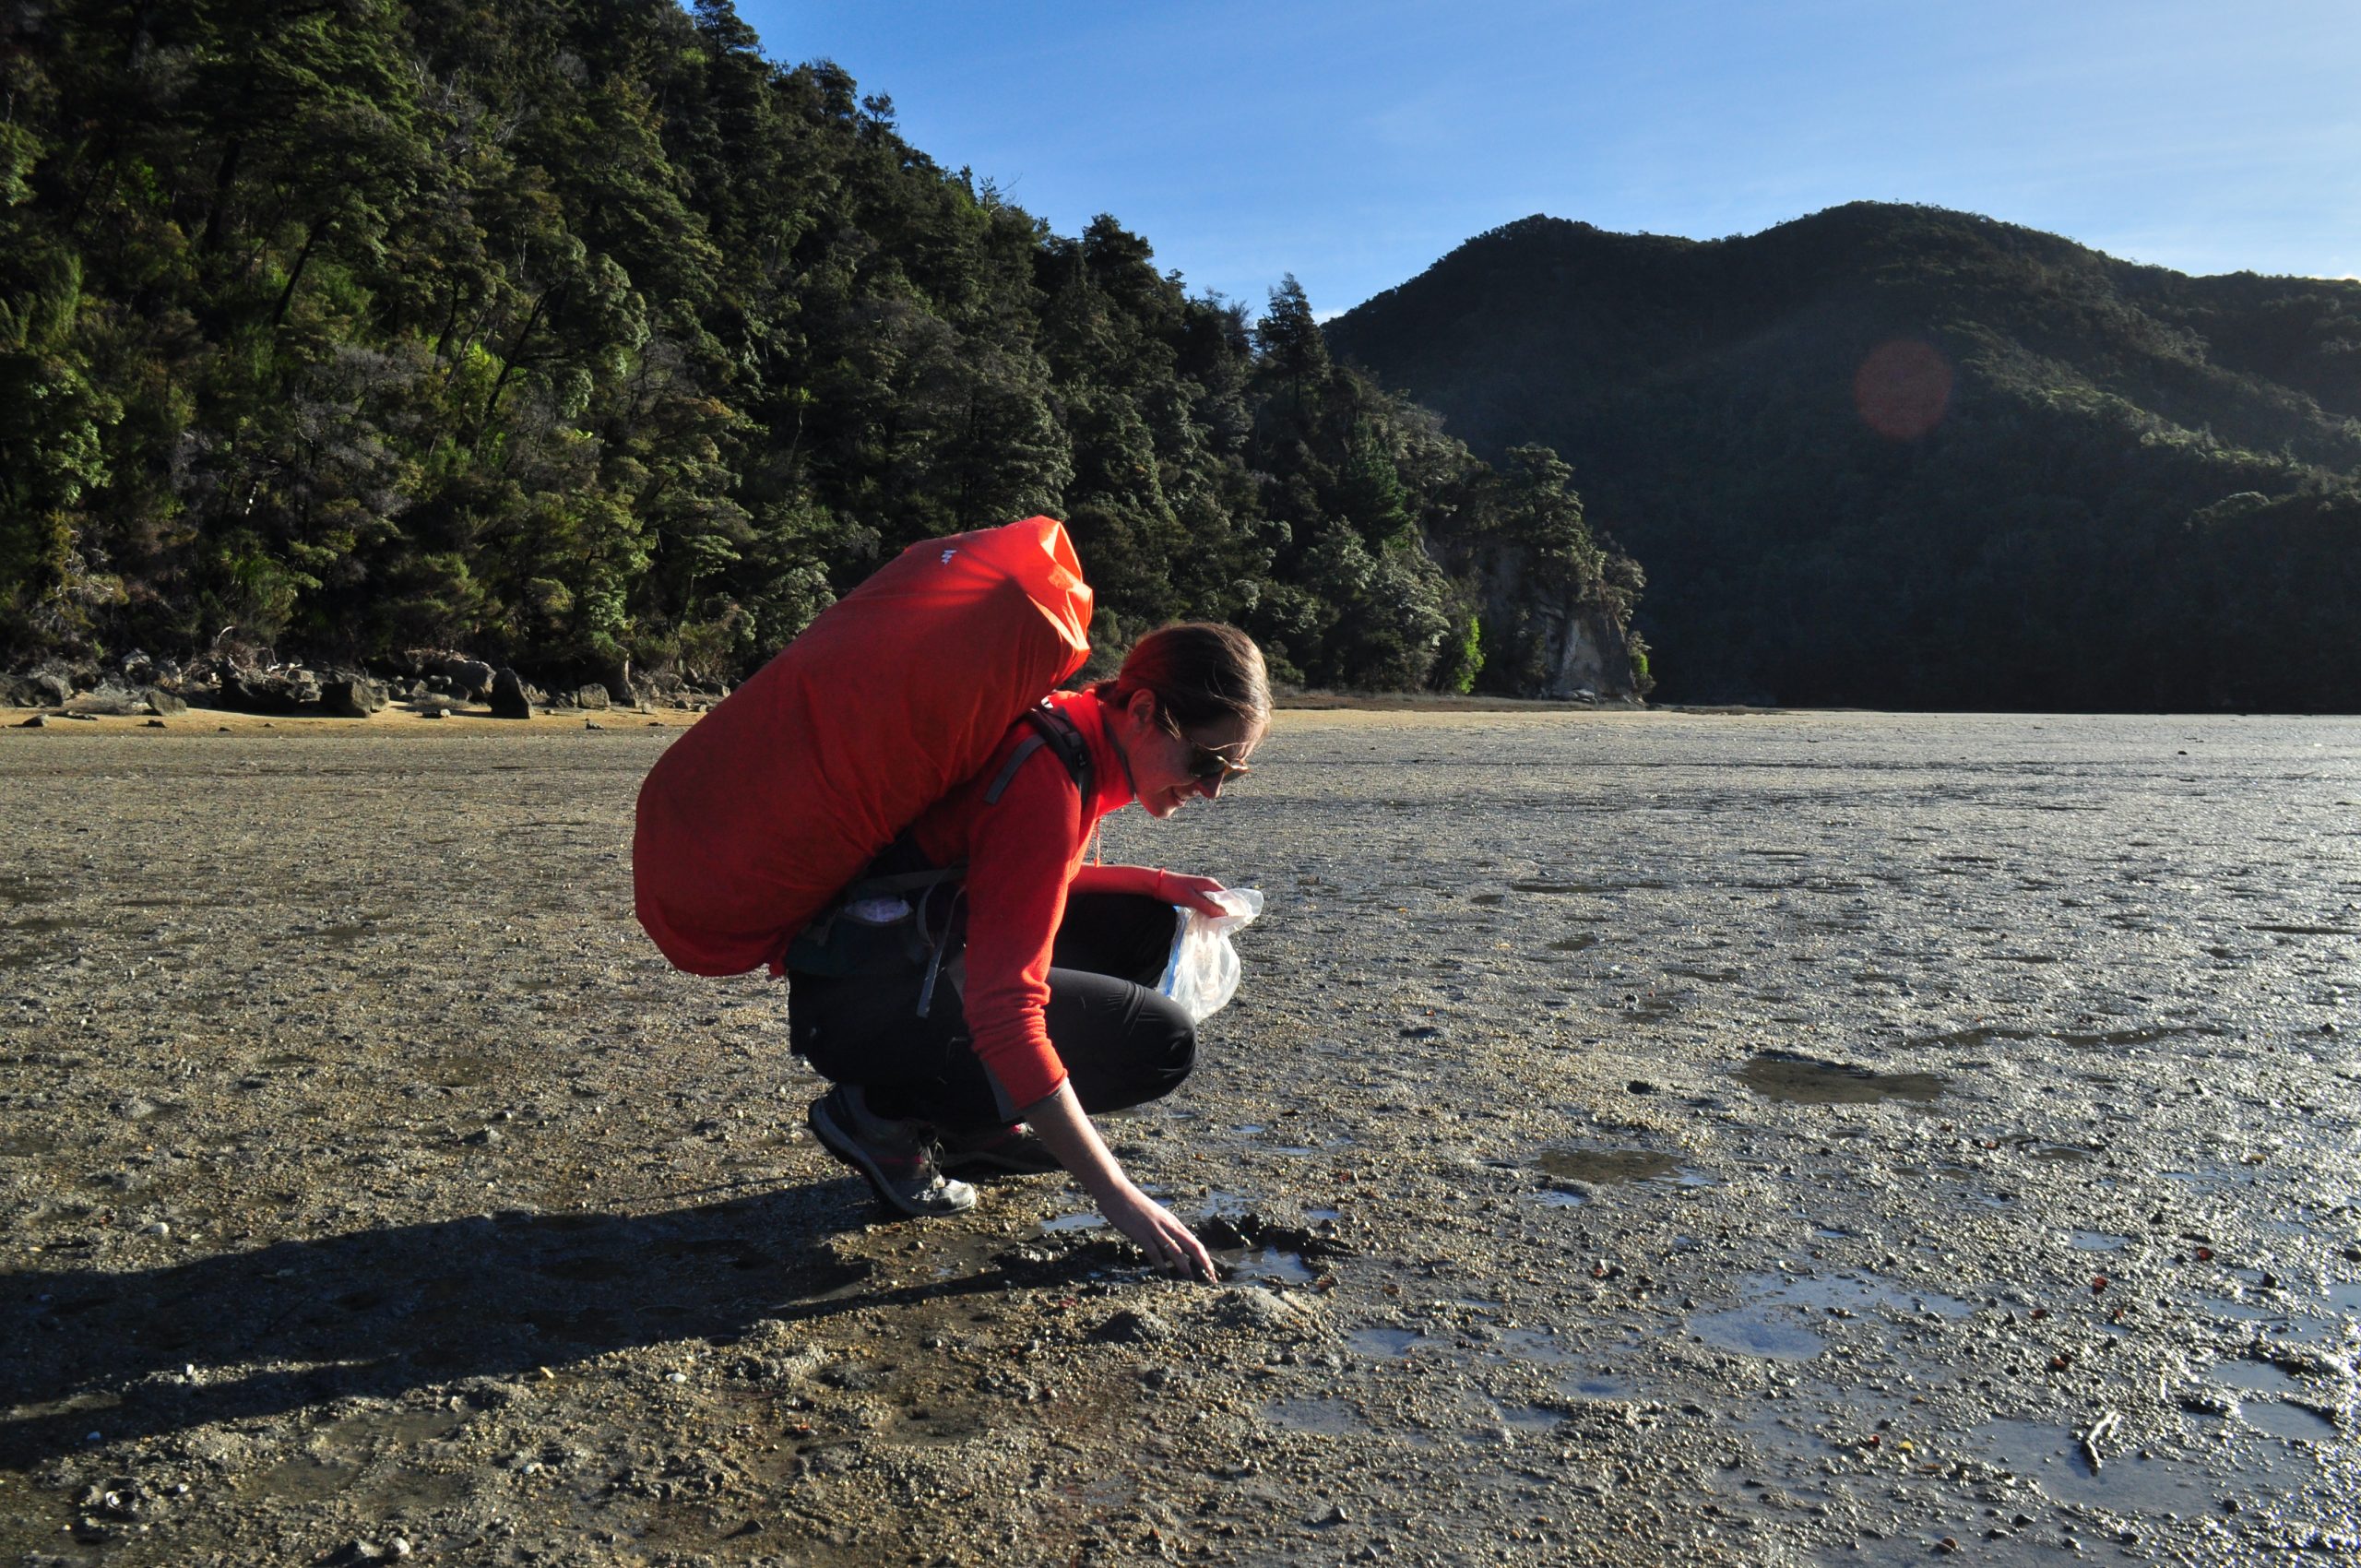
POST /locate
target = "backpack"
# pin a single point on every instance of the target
(762, 813)
(905, 914)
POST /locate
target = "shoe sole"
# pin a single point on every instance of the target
(846, 1150)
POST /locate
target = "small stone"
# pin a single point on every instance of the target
(592, 724)
(486, 1136)
(676, 1377)
(38, 721)
(155, 1229)
(1640, 1085)
(430, 712)
(156, 724)
(1335, 1515)
(399, 1546)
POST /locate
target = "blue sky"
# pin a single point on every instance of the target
(1354, 144)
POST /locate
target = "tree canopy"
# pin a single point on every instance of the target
(582, 335)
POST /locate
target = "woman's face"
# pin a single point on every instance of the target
(1167, 769)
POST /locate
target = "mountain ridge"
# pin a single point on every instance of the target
(1709, 395)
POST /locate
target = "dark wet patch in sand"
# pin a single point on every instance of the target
(1607, 1167)
(1804, 1080)
(1332, 1418)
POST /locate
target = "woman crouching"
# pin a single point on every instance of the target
(1051, 960)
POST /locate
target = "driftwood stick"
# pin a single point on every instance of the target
(2099, 1428)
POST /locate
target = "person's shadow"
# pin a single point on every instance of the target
(379, 1312)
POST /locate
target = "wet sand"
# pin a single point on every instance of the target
(1764, 1138)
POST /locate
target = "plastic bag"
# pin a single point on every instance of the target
(1202, 974)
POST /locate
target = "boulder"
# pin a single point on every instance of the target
(164, 703)
(350, 698)
(469, 678)
(593, 695)
(288, 689)
(18, 692)
(115, 701)
(52, 686)
(510, 698)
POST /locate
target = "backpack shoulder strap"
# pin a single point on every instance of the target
(1062, 736)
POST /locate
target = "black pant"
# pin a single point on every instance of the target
(1122, 1044)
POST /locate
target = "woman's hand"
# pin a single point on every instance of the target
(1171, 1245)
(1189, 892)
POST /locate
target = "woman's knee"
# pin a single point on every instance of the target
(1169, 1052)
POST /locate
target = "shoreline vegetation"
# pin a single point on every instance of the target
(408, 718)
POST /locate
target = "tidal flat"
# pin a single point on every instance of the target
(1767, 1138)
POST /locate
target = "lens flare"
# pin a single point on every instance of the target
(1903, 388)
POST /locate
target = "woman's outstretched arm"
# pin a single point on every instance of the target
(1150, 882)
(1169, 1245)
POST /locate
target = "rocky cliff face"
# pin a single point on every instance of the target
(1544, 639)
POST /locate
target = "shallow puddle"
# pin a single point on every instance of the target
(2098, 1241)
(1533, 1345)
(1599, 1388)
(1269, 1264)
(2292, 1421)
(2047, 1453)
(1381, 1344)
(1803, 1080)
(1088, 1219)
(2255, 1377)
(1754, 1331)
(1781, 1320)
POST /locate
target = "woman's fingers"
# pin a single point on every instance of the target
(1195, 891)
(1193, 1258)
(1167, 1242)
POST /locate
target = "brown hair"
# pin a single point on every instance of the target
(1200, 671)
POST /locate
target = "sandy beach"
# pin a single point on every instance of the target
(1760, 1138)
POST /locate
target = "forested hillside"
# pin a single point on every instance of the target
(580, 336)
(1899, 457)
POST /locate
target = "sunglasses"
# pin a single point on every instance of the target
(1206, 766)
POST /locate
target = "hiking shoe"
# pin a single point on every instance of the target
(896, 1157)
(1008, 1150)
